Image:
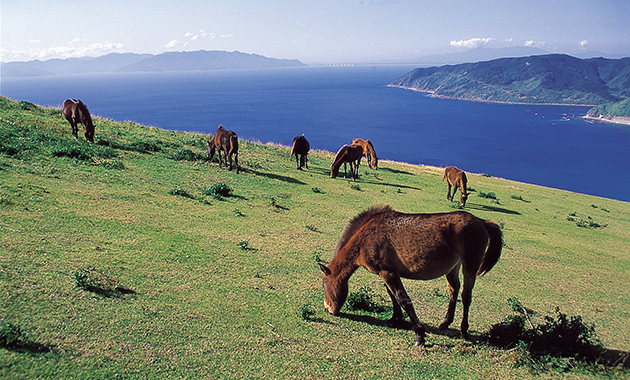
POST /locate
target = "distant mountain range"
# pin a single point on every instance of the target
(129, 62)
(551, 78)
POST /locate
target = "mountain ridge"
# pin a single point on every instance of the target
(200, 60)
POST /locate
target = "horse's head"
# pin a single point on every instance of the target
(335, 292)
(334, 170)
(374, 162)
(462, 199)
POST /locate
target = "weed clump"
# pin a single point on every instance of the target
(95, 281)
(364, 299)
(219, 191)
(180, 192)
(12, 335)
(558, 342)
(186, 155)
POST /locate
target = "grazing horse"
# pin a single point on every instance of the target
(456, 178)
(348, 154)
(226, 141)
(395, 245)
(77, 113)
(300, 148)
(368, 152)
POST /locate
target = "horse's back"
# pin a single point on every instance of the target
(421, 246)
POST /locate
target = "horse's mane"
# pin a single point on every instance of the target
(340, 152)
(371, 147)
(357, 222)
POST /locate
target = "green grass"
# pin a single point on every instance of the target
(230, 287)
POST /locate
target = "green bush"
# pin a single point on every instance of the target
(186, 155)
(11, 335)
(364, 299)
(219, 191)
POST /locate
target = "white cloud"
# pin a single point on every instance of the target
(74, 49)
(471, 43)
(171, 44)
(584, 43)
(537, 44)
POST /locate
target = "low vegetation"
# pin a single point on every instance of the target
(135, 257)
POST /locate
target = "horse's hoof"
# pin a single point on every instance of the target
(418, 341)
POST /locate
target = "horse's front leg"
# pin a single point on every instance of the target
(452, 279)
(396, 288)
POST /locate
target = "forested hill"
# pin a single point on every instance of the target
(553, 78)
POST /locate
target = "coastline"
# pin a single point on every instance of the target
(433, 95)
(622, 120)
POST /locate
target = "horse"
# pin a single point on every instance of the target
(456, 178)
(300, 148)
(368, 152)
(347, 154)
(226, 141)
(393, 244)
(77, 113)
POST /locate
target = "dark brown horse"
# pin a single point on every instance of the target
(395, 245)
(368, 152)
(77, 113)
(456, 178)
(348, 154)
(226, 141)
(300, 148)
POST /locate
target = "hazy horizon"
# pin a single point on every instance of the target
(322, 32)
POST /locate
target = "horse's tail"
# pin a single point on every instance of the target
(233, 144)
(495, 245)
(293, 147)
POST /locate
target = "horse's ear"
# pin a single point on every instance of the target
(324, 269)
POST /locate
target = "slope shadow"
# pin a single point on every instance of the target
(475, 206)
(274, 176)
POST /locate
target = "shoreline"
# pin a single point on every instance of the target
(433, 95)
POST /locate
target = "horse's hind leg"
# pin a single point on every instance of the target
(469, 284)
(452, 279)
(448, 191)
(75, 129)
(236, 161)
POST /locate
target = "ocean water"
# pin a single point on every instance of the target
(544, 145)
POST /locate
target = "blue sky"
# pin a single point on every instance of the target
(323, 31)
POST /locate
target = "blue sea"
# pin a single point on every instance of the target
(544, 145)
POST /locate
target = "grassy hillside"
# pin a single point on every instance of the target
(117, 261)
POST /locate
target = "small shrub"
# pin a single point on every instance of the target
(12, 335)
(520, 198)
(487, 195)
(316, 190)
(180, 192)
(356, 187)
(311, 228)
(318, 257)
(95, 281)
(306, 312)
(556, 342)
(589, 223)
(186, 155)
(363, 299)
(244, 245)
(219, 191)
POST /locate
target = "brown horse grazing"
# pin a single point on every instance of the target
(226, 141)
(300, 148)
(456, 178)
(368, 152)
(415, 246)
(77, 113)
(348, 154)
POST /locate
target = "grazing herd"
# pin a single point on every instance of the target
(391, 244)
